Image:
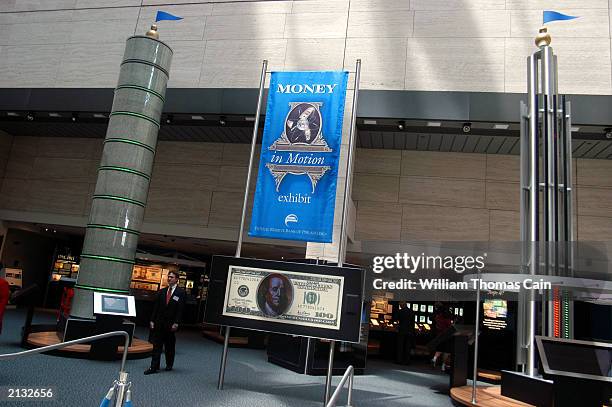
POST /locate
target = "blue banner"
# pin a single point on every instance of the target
(296, 185)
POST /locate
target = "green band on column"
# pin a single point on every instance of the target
(114, 228)
(107, 258)
(108, 290)
(145, 62)
(124, 169)
(119, 198)
(137, 87)
(128, 141)
(134, 114)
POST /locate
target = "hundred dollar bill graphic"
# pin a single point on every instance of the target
(284, 296)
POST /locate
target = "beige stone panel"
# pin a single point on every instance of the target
(188, 206)
(439, 223)
(503, 195)
(167, 176)
(590, 24)
(320, 6)
(584, 66)
(102, 14)
(505, 226)
(107, 3)
(189, 153)
(22, 156)
(383, 61)
(594, 228)
(503, 167)
(461, 23)
(36, 5)
(314, 54)
(226, 209)
(378, 188)
(6, 142)
(155, 2)
(7, 5)
(114, 31)
(457, 4)
(14, 194)
(4, 36)
(594, 202)
(556, 5)
(82, 65)
(186, 64)
(372, 161)
(316, 25)
(314, 250)
(237, 63)
(65, 147)
(57, 196)
(379, 5)
(29, 66)
(255, 7)
(443, 192)
(445, 165)
(378, 221)
(594, 172)
(385, 24)
(233, 179)
(238, 154)
(455, 64)
(30, 17)
(247, 27)
(64, 169)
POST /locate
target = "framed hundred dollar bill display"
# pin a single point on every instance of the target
(286, 297)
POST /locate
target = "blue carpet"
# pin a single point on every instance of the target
(250, 380)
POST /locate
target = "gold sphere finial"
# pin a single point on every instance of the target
(152, 33)
(543, 38)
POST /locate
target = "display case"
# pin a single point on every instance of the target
(65, 267)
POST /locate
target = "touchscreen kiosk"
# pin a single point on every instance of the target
(114, 304)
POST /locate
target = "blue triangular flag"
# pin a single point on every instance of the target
(162, 15)
(554, 16)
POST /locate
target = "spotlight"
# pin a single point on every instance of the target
(401, 125)
(74, 117)
(169, 119)
(222, 121)
(467, 127)
(30, 117)
(608, 132)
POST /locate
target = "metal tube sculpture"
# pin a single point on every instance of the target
(120, 196)
(546, 179)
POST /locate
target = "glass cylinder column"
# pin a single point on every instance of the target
(120, 196)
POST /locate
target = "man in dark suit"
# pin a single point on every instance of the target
(164, 322)
(405, 334)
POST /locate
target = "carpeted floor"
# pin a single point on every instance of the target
(250, 380)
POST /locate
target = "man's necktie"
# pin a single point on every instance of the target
(168, 294)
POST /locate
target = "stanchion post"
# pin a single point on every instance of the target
(330, 369)
(345, 206)
(262, 81)
(476, 330)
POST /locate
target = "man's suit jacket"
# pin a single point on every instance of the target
(164, 315)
